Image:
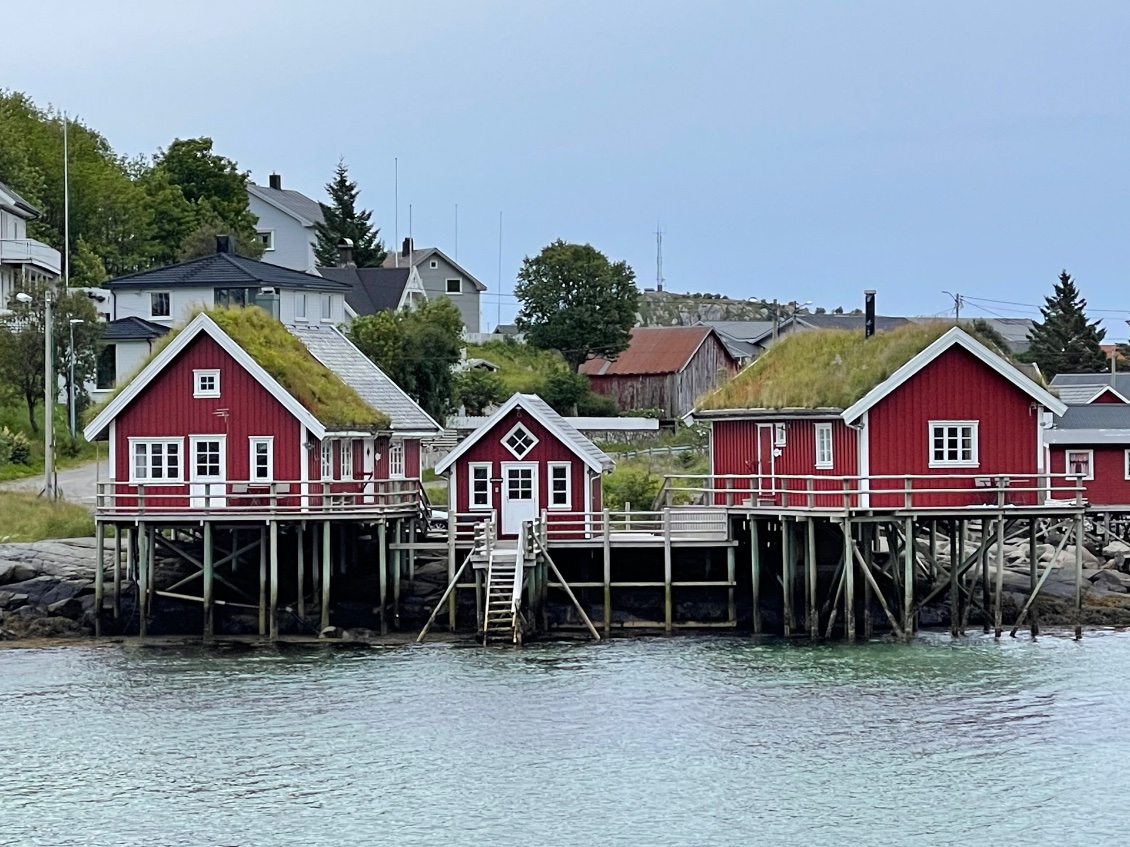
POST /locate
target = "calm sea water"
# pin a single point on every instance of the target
(684, 741)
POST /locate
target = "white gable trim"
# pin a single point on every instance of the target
(958, 337)
(1104, 390)
(518, 400)
(413, 285)
(201, 324)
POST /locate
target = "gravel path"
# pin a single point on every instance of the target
(76, 484)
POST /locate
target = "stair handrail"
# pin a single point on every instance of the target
(516, 588)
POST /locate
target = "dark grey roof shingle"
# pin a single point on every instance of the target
(293, 201)
(133, 329)
(1095, 416)
(224, 269)
(371, 290)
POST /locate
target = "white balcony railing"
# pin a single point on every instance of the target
(28, 251)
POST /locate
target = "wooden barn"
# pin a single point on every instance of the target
(1092, 441)
(525, 460)
(922, 416)
(236, 414)
(665, 368)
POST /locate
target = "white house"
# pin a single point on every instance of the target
(286, 221)
(21, 256)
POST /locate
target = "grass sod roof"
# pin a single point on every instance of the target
(280, 354)
(829, 369)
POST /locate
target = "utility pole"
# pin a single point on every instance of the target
(956, 306)
(658, 258)
(48, 403)
(776, 322)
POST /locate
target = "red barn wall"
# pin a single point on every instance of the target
(1108, 397)
(955, 386)
(1109, 486)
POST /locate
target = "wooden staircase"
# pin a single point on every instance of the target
(501, 618)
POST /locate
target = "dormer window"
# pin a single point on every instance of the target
(519, 441)
(206, 383)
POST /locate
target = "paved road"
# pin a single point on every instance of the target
(76, 484)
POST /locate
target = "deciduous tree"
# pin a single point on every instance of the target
(577, 302)
(477, 389)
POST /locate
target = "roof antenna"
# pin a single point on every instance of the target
(396, 213)
(658, 257)
(457, 232)
(498, 321)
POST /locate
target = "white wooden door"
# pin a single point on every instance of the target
(519, 495)
(207, 471)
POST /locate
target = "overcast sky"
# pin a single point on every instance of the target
(789, 149)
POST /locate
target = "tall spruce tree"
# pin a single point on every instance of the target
(344, 220)
(1065, 342)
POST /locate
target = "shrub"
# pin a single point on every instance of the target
(14, 447)
(633, 485)
(564, 391)
(595, 405)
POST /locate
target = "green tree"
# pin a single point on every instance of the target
(418, 349)
(342, 219)
(22, 345)
(477, 389)
(87, 268)
(1064, 341)
(577, 302)
(564, 390)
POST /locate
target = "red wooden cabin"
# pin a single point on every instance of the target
(1092, 442)
(523, 460)
(955, 416)
(204, 427)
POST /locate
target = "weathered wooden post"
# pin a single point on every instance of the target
(667, 612)
(209, 577)
(986, 589)
(606, 545)
(849, 582)
(955, 566)
(866, 535)
(142, 582)
(787, 577)
(731, 574)
(1079, 577)
(99, 575)
(998, 613)
(117, 571)
(316, 561)
(755, 573)
(908, 580)
(811, 614)
(382, 574)
(1033, 559)
(262, 581)
(326, 548)
(302, 571)
(274, 609)
(452, 527)
(397, 566)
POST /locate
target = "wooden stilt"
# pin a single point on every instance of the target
(755, 572)
(1079, 577)
(955, 563)
(667, 611)
(867, 575)
(151, 568)
(908, 580)
(849, 583)
(451, 528)
(326, 548)
(412, 552)
(301, 606)
(961, 558)
(209, 622)
(397, 567)
(933, 563)
(99, 574)
(316, 561)
(867, 531)
(1033, 559)
(274, 608)
(731, 574)
(117, 571)
(986, 589)
(142, 582)
(262, 581)
(606, 549)
(787, 576)
(382, 575)
(811, 618)
(998, 611)
(480, 608)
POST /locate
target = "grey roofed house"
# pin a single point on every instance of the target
(1097, 423)
(442, 276)
(133, 328)
(1013, 330)
(336, 352)
(225, 270)
(373, 290)
(286, 222)
(1075, 389)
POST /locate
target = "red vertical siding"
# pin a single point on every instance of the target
(1109, 486)
(1108, 397)
(489, 448)
(412, 458)
(167, 408)
(955, 386)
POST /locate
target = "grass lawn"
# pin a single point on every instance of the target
(521, 368)
(27, 517)
(13, 415)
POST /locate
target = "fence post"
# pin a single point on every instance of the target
(907, 497)
(808, 487)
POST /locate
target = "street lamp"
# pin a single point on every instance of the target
(48, 396)
(71, 393)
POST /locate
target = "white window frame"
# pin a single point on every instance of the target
(300, 300)
(135, 478)
(1126, 462)
(221, 457)
(568, 467)
(345, 459)
(168, 300)
(471, 468)
(396, 459)
(825, 458)
(327, 460)
(434, 264)
(506, 441)
(253, 442)
(269, 242)
(458, 280)
(327, 307)
(973, 462)
(198, 377)
(1090, 474)
(780, 436)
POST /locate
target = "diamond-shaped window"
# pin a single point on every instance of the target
(519, 441)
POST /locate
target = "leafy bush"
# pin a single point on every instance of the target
(629, 484)
(14, 447)
(478, 388)
(595, 405)
(564, 391)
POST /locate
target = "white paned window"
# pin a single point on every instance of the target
(953, 444)
(262, 458)
(159, 306)
(479, 482)
(779, 431)
(266, 238)
(300, 307)
(346, 459)
(823, 445)
(1126, 463)
(207, 458)
(206, 383)
(519, 483)
(155, 460)
(455, 286)
(560, 488)
(327, 459)
(519, 441)
(396, 460)
(1081, 463)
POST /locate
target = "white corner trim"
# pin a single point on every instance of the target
(955, 336)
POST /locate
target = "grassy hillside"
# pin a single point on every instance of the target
(523, 369)
(13, 415)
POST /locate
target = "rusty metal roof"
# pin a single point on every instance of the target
(654, 350)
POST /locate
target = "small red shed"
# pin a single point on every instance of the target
(1092, 442)
(830, 419)
(523, 460)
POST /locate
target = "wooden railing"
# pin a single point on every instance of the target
(921, 491)
(255, 497)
